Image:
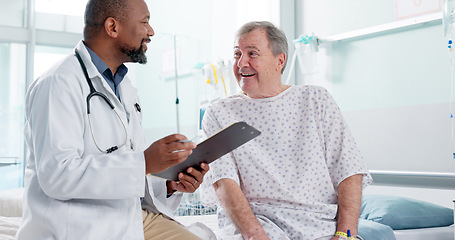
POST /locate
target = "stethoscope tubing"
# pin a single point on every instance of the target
(93, 93)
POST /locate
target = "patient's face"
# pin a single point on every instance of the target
(257, 70)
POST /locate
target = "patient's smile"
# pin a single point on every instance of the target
(247, 74)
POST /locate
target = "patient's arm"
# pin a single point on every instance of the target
(349, 201)
(238, 209)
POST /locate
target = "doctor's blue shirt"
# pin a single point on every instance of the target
(112, 80)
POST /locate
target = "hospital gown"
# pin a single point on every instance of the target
(289, 173)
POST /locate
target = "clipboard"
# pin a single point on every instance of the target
(213, 148)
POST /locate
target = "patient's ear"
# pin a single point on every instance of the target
(281, 60)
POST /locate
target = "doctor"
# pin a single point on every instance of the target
(87, 161)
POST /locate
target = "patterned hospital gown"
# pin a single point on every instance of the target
(289, 173)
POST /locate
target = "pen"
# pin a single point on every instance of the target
(349, 233)
(188, 140)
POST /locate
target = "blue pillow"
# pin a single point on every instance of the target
(404, 213)
(374, 231)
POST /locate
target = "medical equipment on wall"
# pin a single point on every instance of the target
(306, 49)
(448, 20)
(214, 80)
(214, 76)
(93, 93)
(448, 17)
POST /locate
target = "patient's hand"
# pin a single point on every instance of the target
(191, 181)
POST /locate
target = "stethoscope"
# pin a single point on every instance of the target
(93, 93)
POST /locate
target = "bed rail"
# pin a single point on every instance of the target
(440, 180)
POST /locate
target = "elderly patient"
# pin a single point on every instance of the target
(302, 178)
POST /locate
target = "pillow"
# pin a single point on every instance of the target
(374, 231)
(404, 213)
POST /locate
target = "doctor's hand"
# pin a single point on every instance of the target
(189, 182)
(166, 153)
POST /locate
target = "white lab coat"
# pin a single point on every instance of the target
(72, 190)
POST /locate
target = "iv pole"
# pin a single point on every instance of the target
(176, 84)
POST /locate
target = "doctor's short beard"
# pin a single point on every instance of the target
(136, 55)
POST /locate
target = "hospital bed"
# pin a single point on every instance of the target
(431, 189)
(11, 211)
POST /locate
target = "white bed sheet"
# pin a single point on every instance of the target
(439, 233)
(211, 221)
(11, 202)
(9, 226)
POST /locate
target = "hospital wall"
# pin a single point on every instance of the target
(393, 88)
(156, 80)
